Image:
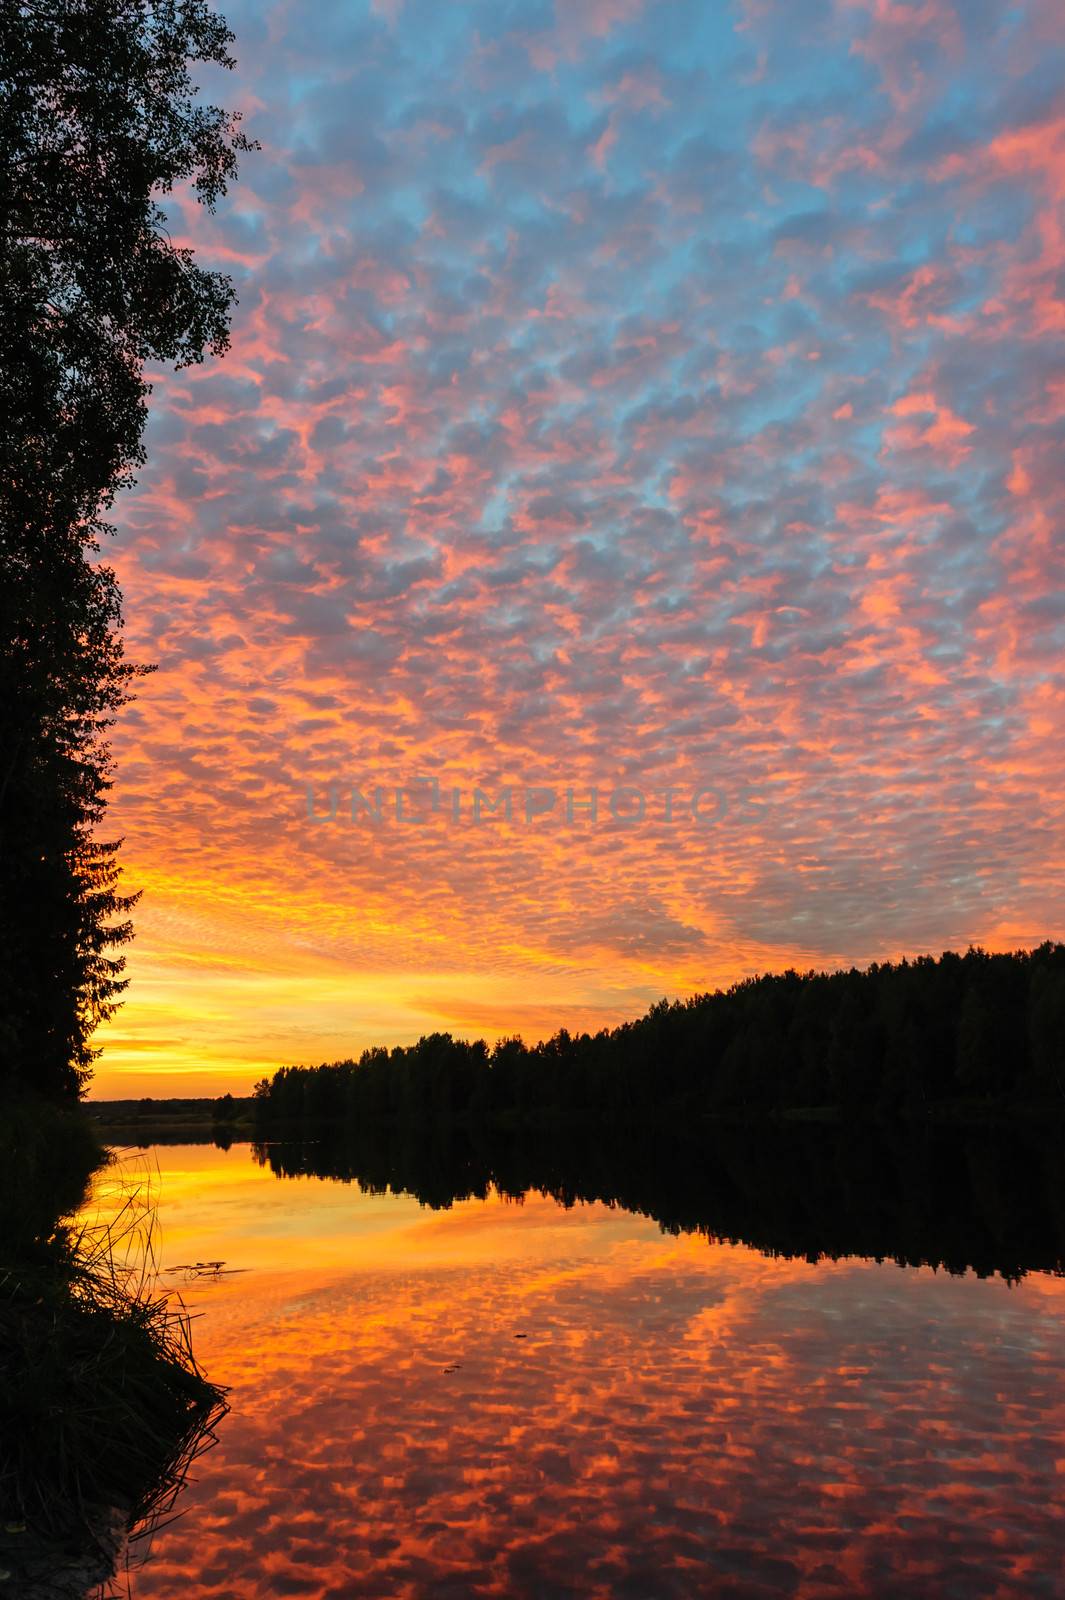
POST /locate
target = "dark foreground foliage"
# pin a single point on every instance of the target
(99, 120)
(985, 1199)
(47, 1156)
(985, 1031)
(102, 1405)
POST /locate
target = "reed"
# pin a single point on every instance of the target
(103, 1406)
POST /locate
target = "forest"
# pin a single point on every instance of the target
(897, 1039)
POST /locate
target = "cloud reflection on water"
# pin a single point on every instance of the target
(679, 1419)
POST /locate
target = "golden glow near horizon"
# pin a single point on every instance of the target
(212, 1008)
(591, 424)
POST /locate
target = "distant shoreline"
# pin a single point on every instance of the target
(168, 1117)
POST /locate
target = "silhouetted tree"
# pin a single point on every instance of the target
(224, 1109)
(98, 120)
(1046, 1024)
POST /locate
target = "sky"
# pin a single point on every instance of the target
(659, 398)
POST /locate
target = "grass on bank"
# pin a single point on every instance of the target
(103, 1406)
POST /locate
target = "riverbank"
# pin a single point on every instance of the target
(143, 1122)
(161, 1121)
(102, 1404)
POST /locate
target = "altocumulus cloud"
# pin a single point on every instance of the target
(633, 391)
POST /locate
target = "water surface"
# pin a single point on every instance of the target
(516, 1398)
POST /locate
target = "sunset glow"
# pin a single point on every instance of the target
(633, 395)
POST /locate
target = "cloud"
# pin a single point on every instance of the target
(617, 393)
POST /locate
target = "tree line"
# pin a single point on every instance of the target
(899, 1038)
